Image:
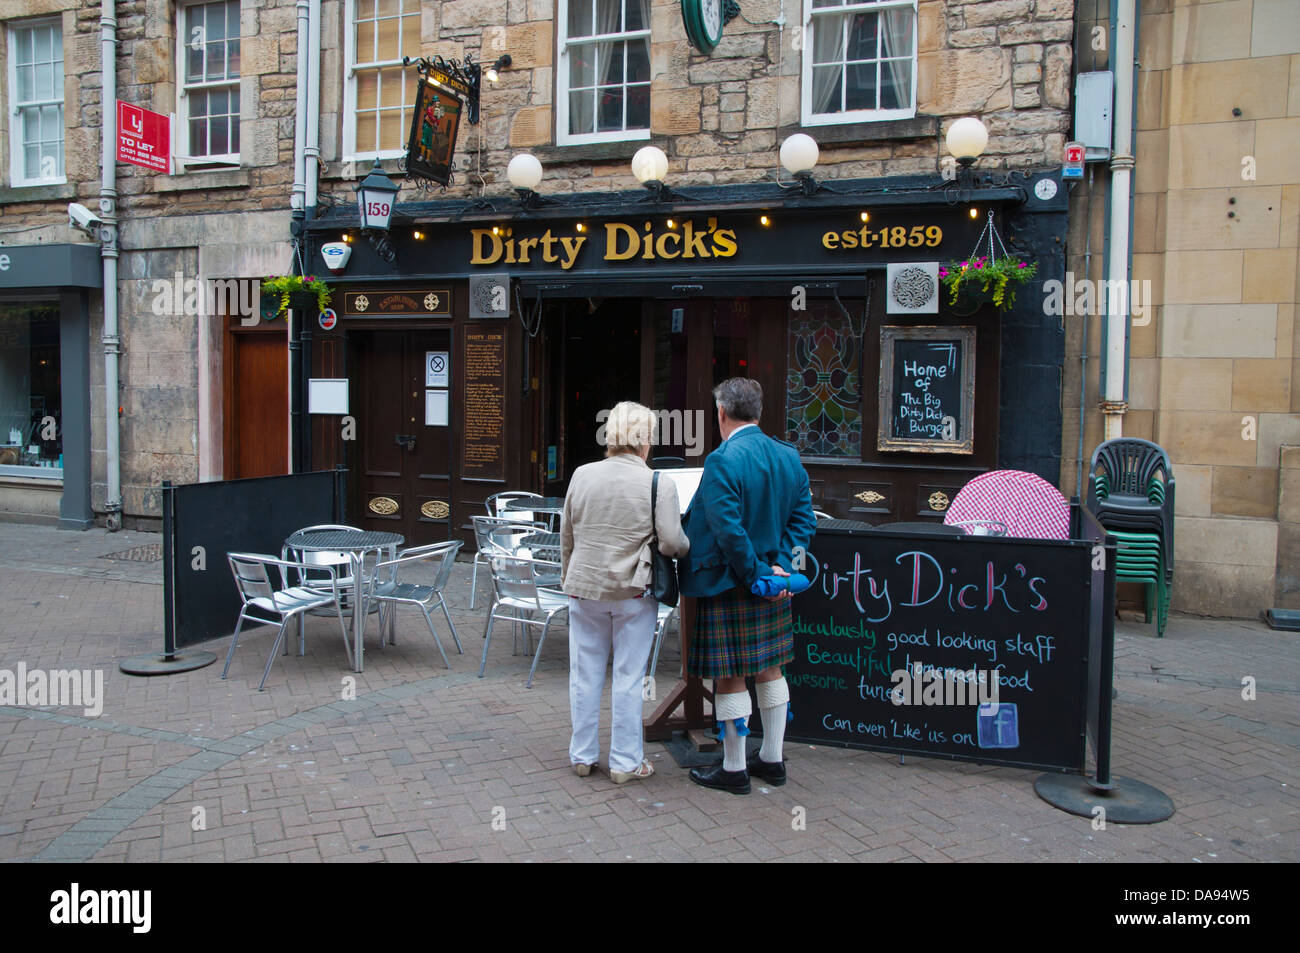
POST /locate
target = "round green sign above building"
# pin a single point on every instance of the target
(703, 20)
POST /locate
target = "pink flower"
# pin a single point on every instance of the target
(1022, 265)
(943, 273)
(965, 263)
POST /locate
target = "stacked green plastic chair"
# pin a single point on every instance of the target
(1131, 492)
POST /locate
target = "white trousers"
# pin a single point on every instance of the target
(628, 625)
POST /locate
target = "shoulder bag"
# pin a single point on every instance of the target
(663, 570)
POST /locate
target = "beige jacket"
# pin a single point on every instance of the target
(605, 534)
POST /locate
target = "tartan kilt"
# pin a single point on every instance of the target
(738, 633)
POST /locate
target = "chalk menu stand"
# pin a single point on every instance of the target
(688, 694)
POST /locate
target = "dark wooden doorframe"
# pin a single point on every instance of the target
(255, 400)
(388, 399)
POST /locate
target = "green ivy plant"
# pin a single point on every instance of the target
(285, 285)
(997, 279)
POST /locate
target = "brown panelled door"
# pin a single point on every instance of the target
(256, 411)
(404, 433)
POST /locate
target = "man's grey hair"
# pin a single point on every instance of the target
(741, 398)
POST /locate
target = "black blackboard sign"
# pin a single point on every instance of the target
(940, 623)
(927, 389)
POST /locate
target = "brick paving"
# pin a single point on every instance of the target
(430, 764)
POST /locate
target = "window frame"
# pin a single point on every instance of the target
(17, 161)
(350, 75)
(181, 124)
(562, 136)
(807, 116)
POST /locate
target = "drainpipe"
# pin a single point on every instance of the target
(312, 156)
(298, 203)
(108, 251)
(1113, 403)
(312, 150)
(300, 115)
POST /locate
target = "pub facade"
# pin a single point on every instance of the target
(481, 358)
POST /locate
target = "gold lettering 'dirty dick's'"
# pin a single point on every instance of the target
(622, 243)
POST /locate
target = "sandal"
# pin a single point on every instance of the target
(583, 770)
(640, 774)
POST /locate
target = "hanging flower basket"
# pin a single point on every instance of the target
(979, 281)
(987, 279)
(279, 294)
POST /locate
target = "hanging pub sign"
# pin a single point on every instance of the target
(439, 105)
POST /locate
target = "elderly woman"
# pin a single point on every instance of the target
(605, 560)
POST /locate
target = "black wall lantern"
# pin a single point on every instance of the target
(376, 195)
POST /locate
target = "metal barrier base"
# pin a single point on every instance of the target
(159, 663)
(1127, 802)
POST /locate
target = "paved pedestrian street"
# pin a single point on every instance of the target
(436, 765)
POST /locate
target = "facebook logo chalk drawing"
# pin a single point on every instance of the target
(999, 725)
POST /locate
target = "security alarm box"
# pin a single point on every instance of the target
(1094, 106)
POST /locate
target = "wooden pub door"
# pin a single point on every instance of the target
(404, 433)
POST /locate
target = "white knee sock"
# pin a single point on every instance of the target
(773, 702)
(727, 708)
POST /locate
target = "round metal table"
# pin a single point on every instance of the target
(546, 504)
(356, 543)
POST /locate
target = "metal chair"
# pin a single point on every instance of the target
(483, 527)
(253, 580)
(516, 587)
(667, 463)
(666, 615)
(496, 504)
(315, 577)
(392, 590)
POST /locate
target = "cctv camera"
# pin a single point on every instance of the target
(83, 219)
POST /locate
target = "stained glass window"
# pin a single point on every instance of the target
(823, 385)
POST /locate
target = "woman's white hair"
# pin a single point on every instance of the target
(630, 427)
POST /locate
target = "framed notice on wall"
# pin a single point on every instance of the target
(483, 357)
(927, 390)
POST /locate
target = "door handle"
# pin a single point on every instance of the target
(406, 440)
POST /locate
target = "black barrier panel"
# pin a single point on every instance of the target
(1101, 635)
(246, 516)
(967, 610)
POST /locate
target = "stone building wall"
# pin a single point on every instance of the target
(1216, 228)
(720, 118)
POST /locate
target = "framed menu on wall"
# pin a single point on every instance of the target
(927, 389)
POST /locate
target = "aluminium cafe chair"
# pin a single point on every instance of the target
(516, 587)
(263, 599)
(392, 590)
(483, 527)
(667, 615)
(496, 505)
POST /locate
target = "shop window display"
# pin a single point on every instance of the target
(30, 398)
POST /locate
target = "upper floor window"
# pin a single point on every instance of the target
(208, 116)
(380, 90)
(36, 102)
(860, 63)
(603, 79)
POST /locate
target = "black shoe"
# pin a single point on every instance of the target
(773, 772)
(737, 782)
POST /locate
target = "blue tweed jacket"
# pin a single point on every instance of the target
(751, 510)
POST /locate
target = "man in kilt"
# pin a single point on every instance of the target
(751, 511)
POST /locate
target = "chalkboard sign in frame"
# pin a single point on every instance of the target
(963, 339)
